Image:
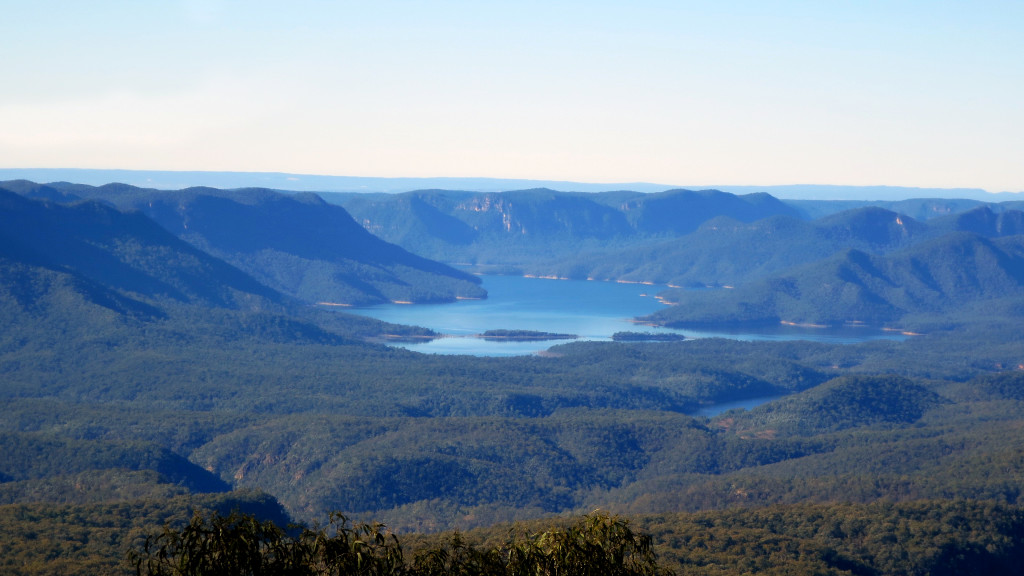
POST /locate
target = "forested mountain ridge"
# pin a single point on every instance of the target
(307, 248)
(126, 251)
(73, 456)
(677, 237)
(919, 208)
(679, 212)
(724, 252)
(954, 274)
(297, 244)
(87, 270)
(983, 221)
(520, 228)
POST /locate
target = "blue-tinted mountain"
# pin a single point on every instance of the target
(409, 218)
(679, 212)
(297, 244)
(115, 259)
(541, 213)
(88, 271)
(984, 222)
(952, 274)
(922, 209)
(525, 227)
(725, 251)
(538, 213)
(169, 179)
(172, 180)
(39, 191)
(824, 192)
(872, 227)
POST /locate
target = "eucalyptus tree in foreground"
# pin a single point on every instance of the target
(241, 545)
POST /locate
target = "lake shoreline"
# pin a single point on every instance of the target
(587, 310)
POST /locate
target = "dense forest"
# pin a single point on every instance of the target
(148, 373)
(296, 244)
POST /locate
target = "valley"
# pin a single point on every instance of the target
(169, 351)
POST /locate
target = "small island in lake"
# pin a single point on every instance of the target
(394, 334)
(525, 335)
(646, 337)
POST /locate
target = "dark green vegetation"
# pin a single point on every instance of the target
(243, 545)
(934, 538)
(142, 377)
(925, 537)
(94, 538)
(42, 539)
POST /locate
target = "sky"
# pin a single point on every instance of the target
(899, 93)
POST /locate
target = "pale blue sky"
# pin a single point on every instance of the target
(924, 94)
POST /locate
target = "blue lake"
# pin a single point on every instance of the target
(591, 310)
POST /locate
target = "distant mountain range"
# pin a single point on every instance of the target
(310, 249)
(258, 248)
(727, 252)
(174, 180)
(524, 227)
(872, 193)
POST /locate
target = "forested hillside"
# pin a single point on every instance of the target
(128, 251)
(725, 252)
(519, 229)
(949, 277)
(143, 377)
(678, 237)
(296, 244)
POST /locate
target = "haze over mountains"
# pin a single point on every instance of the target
(858, 265)
(863, 265)
(173, 180)
(527, 226)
